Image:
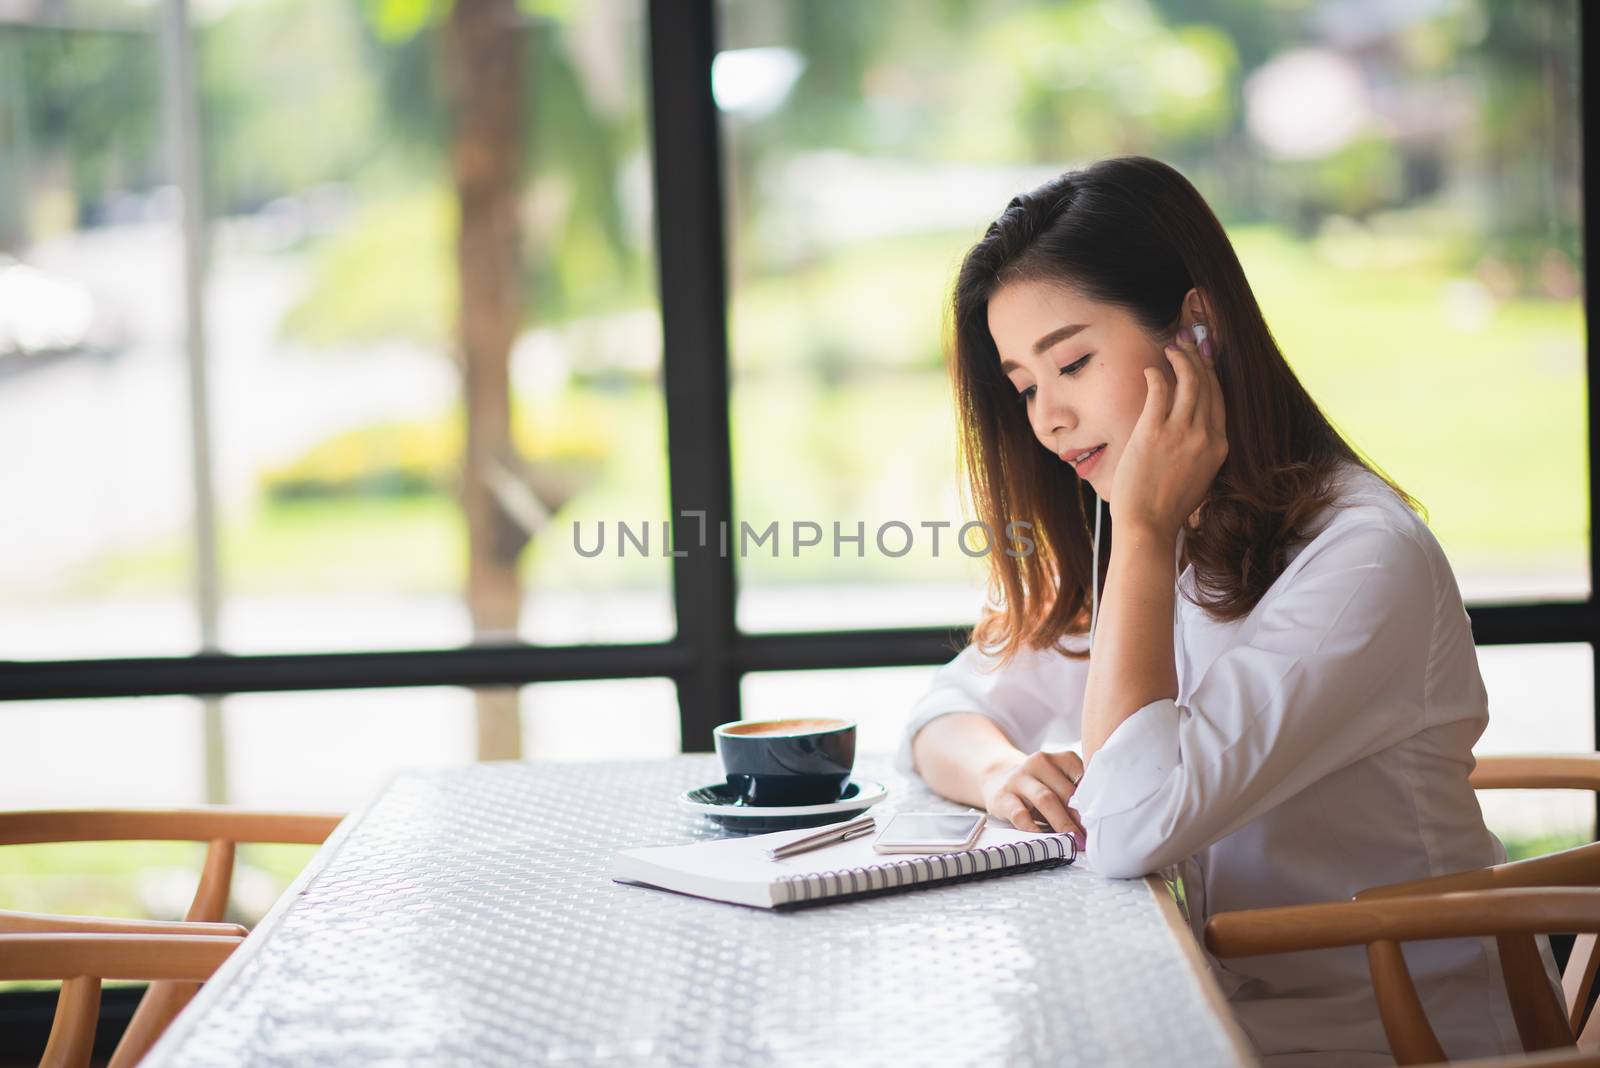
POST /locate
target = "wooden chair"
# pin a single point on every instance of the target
(223, 830)
(1519, 958)
(1382, 924)
(83, 960)
(1541, 1023)
(1557, 1058)
(1537, 771)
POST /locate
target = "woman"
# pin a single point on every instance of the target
(1283, 694)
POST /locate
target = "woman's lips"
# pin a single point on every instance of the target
(1086, 465)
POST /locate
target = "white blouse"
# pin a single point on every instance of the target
(1318, 747)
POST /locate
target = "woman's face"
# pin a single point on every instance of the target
(1078, 368)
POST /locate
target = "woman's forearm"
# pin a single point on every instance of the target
(1134, 662)
(954, 752)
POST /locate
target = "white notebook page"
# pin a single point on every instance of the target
(739, 870)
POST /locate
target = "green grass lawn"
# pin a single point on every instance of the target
(1483, 422)
(142, 880)
(134, 878)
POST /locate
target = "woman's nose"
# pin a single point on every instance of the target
(1053, 413)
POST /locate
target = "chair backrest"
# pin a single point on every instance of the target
(83, 961)
(1382, 924)
(1538, 771)
(1519, 957)
(222, 829)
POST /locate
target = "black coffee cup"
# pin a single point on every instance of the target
(800, 761)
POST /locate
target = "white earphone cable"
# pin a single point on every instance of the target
(1094, 575)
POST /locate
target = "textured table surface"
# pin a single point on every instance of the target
(466, 917)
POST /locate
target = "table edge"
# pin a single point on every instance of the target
(212, 989)
(1167, 905)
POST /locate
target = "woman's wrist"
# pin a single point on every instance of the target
(957, 752)
(1010, 757)
(1137, 531)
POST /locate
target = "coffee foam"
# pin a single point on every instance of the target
(768, 728)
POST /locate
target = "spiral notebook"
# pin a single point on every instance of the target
(738, 870)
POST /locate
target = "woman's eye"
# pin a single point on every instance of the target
(1024, 396)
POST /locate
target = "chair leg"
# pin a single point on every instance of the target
(1541, 1018)
(1578, 979)
(72, 1032)
(157, 1009)
(1411, 1037)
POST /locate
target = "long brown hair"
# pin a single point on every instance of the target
(1134, 233)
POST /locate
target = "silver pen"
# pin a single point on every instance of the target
(838, 832)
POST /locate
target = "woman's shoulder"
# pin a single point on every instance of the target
(1363, 496)
(1367, 515)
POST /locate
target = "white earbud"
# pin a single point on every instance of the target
(1199, 332)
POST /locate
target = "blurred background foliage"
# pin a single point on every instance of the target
(300, 94)
(324, 135)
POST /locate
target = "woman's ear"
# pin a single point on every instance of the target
(1197, 309)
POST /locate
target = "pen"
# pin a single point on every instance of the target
(839, 832)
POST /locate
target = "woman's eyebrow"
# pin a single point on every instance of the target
(1054, 337)
(1059, 334)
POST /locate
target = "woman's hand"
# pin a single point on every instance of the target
(1035, 789)
(1177, 446)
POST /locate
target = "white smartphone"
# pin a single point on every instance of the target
(930, 832)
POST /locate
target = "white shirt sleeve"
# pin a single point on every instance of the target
(1335, 671)
(1038, 694)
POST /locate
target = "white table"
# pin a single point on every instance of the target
(466, 917)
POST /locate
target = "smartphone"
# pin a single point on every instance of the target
(930, 832)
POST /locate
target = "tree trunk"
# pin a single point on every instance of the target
(484, 44)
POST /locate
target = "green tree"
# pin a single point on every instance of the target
(82, 102)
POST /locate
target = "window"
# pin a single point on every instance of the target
(1541, 700)
(337, 416)
(1402, 188)
(867, 145)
